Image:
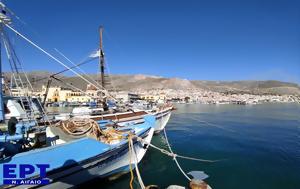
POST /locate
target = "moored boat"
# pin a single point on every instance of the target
(68, 156)
(121, 117)
(162, 117)
(77, 160)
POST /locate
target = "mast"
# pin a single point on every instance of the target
(101, 64)
(101, 58)
(6, 20)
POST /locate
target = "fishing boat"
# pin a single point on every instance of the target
(72, 151)
(162, 116)
(17, 107)
(73, 160)
(120, 116)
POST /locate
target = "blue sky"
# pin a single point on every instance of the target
(206, 40)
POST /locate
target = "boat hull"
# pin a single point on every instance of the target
(118, 166)
(100, 167)
(162, 119)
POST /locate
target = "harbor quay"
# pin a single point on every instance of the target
(59, 94)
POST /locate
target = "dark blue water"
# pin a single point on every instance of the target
(259, 146)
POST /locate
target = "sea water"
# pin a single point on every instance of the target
(258, 146)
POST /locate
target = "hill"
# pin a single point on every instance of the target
(147, 82)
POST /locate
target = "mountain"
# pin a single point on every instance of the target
(148, 82)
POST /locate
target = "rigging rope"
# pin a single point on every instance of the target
(81, 70)
(55, 59)
(12, 57)
(62, 71)
(14, 69)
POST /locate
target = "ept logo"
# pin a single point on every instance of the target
(16, 174)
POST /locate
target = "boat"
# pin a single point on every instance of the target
(73, 161)
(162, 112)
(17, 107)
(124, 116)
(162, 116)
(72, 151)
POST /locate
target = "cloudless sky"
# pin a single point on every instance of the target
(204, 39)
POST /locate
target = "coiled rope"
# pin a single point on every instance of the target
(88, 127)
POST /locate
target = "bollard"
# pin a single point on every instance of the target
(199, 184)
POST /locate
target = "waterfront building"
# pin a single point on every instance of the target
(127, 96)
(61, 94)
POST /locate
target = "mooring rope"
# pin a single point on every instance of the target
(171, 153)
(136, 166)
(174, 157)
(133, 154)
(130, 166)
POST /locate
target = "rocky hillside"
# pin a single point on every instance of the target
(145, 82)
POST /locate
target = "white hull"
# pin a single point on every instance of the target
(117, 166)
(123, 161)
(161, 122)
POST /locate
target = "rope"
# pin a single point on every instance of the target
(179, 167)
(9, 54)
(130, 166)
(88, 127)
(13, 60)
(175, 156)
(136, 167)
(52, 57)
(135, 161)
(81, 70)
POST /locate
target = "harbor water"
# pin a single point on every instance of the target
(258, 147)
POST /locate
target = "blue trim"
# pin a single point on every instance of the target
(67, 154)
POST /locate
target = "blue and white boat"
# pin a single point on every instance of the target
(70, 158)
(77, 161)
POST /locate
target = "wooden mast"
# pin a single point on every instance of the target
(101, 64)
(101, 59)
